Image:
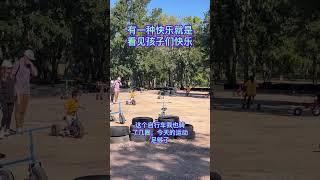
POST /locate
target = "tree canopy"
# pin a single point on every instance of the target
(71, 32)
(157, 66)
(265, 38)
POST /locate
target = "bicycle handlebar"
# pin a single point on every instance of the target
(37, 129)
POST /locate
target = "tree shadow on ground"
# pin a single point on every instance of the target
(271, 107)
(176, 160)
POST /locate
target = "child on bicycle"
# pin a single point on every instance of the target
(71, 106)
(131, 96)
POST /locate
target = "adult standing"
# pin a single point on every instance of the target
(100, 90)
(23, 69)
(251, 91)
(111, 91)
(6, 97)
(117, 84)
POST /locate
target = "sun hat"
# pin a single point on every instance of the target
(7, 64)
(29, 54)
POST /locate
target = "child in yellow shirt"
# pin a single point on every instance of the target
(188, 89)
(131, 96)
(71, 106)
(250, 92)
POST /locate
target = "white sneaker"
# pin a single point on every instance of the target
(7, 132)
(2, 133)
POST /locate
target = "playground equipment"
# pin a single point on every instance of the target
(119, 134)
(36, 171)
(75, 129)
(120, 112)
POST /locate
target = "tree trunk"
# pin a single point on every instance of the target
(54, 68)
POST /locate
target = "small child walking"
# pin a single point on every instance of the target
(7, 97)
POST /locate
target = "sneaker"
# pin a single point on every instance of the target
(11, 131)
(7, 132)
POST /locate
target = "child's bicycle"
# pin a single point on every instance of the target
(244, 102)
(163, 109)
(131, 102)
(313, 107)
(74, 130)
(35, 170)
(122, 119)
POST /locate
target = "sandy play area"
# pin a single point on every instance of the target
(266, 145)
(179, 159)
(62, 158)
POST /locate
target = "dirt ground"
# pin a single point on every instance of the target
(267, 145)
(179, 159)
(62, 158)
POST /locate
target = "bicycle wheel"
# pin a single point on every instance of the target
(121, 118)
(77, 129)
(6, 174)
(37, 173)
(316, 111)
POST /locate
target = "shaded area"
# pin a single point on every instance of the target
(275, 107)
(244, 145)
(176, 164)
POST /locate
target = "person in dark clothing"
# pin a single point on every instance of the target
(7, 98)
